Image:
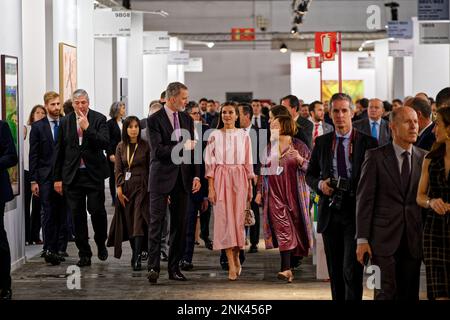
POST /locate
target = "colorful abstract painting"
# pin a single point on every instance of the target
(354, 88)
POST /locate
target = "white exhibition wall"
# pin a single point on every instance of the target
(265, 73)
(11, 44)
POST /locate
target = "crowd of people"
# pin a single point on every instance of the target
(379, 170)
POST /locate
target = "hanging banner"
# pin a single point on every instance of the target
(434, 33)
(111, 24)
(401, 48)
(400, 29)
(178, 57)
(433, 9)
(313, 62)
(156, 42)
(325, 42)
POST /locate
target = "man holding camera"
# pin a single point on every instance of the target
(333, 173)
(389, 222)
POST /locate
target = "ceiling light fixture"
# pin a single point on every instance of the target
(294, 30)
(283, 48)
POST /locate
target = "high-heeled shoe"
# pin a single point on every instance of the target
(232, 275)
(239, 271)
(286, 275)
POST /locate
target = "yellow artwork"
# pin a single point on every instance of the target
(67, 71)
(354, 88)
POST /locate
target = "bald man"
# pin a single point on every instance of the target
(375, 125)
(388, 219)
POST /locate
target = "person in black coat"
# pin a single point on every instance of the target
(305, 126)
(43, 138)
(80, 171)
(339, 155)
(170, 176)
(8, 159)
(116, 112)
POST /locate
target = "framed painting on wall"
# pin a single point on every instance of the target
(67, 70)
(354, 88)
(10, 109)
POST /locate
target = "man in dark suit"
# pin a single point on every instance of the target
(258, 119)
(292, 103)
(245, 116)
(317, 113)
(211, 117)
(43, 138)
(374, 125)
(333, 174)
(389, 222)
(171, 174)
(8, 159)
(80, 171)
(426, 137)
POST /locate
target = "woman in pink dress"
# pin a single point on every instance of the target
(229, 170)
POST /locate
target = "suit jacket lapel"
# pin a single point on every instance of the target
(328, 159)
(48, 130)
(416, 169)
(391, 165)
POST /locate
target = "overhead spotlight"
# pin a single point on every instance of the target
(394, 10)
(283, 48)
(294, 30)
(210, 44)
(126, 4)
(298, 19)
(302, 7)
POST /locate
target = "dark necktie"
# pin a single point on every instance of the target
(176, 125)
(55, 130)
(405, 174)
(341, 164)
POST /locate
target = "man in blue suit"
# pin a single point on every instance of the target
(43, 138)
(8, 159)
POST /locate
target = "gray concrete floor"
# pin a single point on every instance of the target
(114, 279)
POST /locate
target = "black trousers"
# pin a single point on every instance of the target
(346, 273)
(194, 209)
(179, 199)
(400, 275)
(33, 216)
(54, 218)
(76, 193)
(5, 254)
(112, 181)
(254, 230)
(205, 218)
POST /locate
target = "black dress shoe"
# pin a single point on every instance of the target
(63, 254)
(102, 253)
(144, 255)
(6, 294)
(52, 258)
(253, 249)
(177, 275)
(186, 265)
(84, 262)
(152, 276)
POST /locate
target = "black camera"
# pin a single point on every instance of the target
(341, 188)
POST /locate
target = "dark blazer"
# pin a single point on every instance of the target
(363, 125)
(201, 145)
(264, 122)
(321, 164)
(8, 159)
(42, 151)
(426, 139)
(163, 172)
(114, 136)
(382, 209)
(212, 119)
(69, 152)
(254, 137)
(305, 131)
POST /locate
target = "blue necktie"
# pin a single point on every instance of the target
(55, 130)
(341, 164)
(374, 130)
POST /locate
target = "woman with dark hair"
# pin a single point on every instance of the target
(131, 216)
(116, 112)
(434, 194)
(33, 221)
(285, 195)
(229, 170)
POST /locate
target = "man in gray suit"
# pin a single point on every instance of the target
(317, 112)
(374, 125)
(388, 219)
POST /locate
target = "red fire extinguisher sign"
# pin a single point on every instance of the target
(325, 42)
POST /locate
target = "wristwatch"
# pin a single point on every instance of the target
(428, 203)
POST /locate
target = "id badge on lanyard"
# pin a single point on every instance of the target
(130, 161)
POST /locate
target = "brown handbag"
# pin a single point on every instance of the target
(249, 215)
